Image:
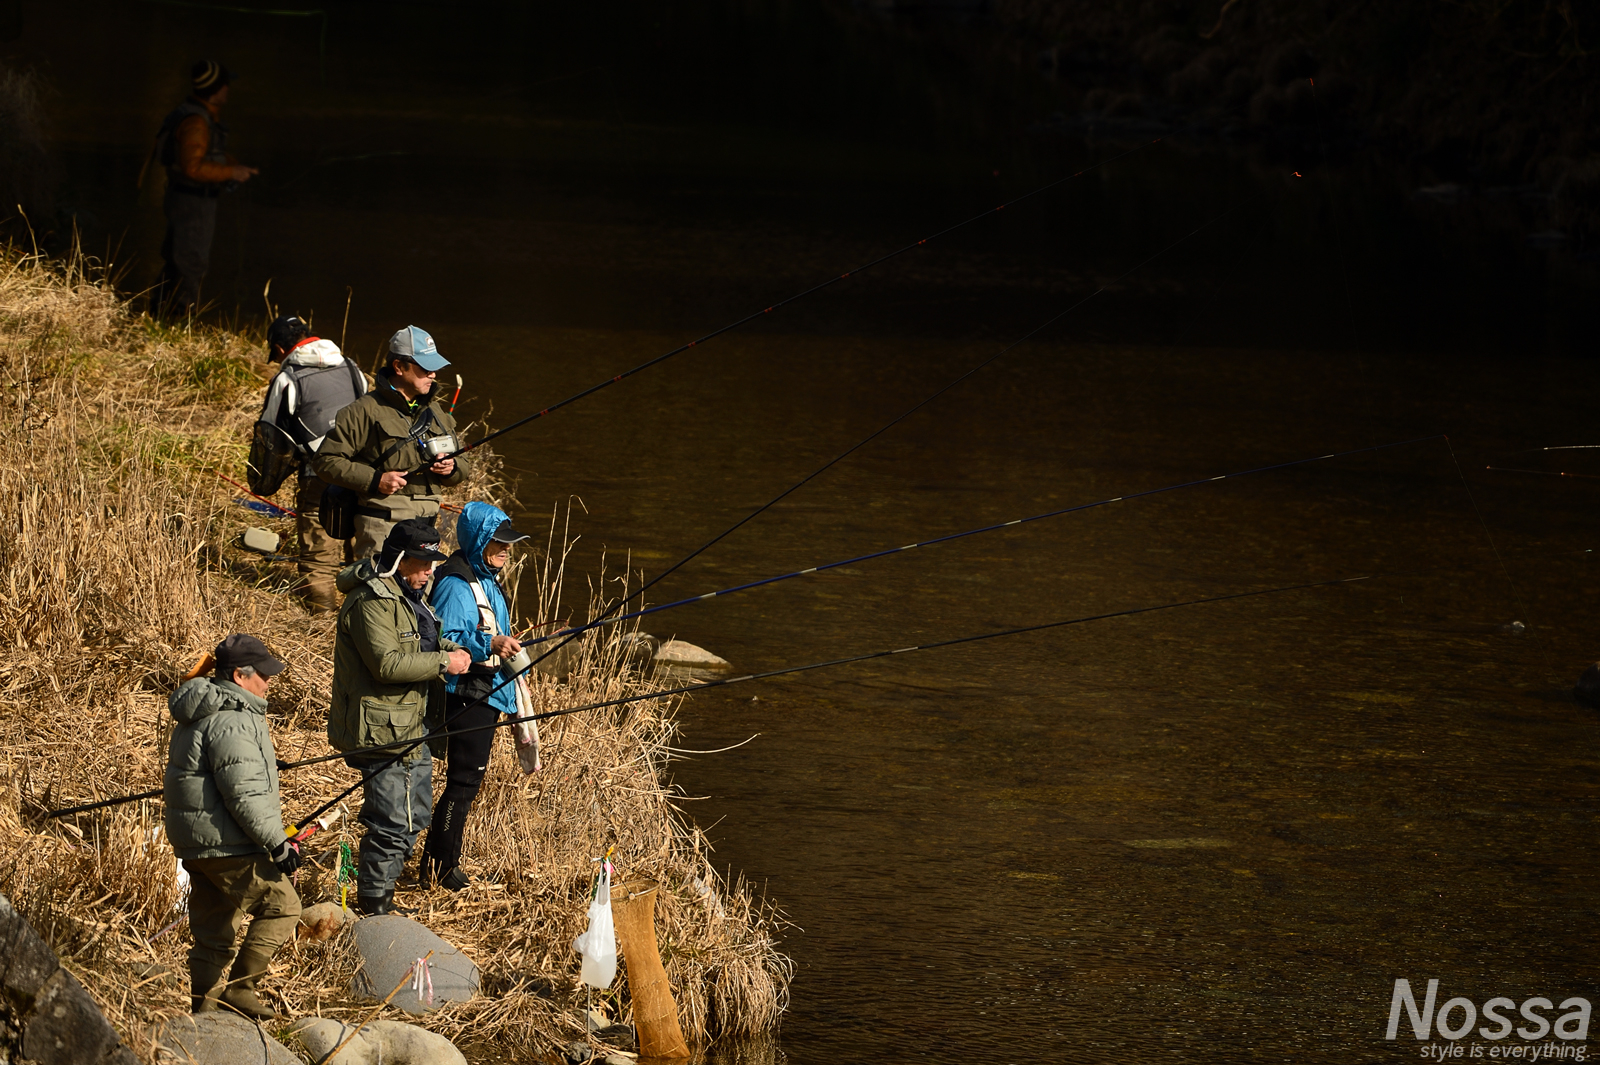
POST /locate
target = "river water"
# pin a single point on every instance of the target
(1212, 833)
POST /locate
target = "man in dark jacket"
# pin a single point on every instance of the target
(389, 664)
(312, 386)
(224, 820)
(192, 146)
(377, 440)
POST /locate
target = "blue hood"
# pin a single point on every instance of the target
(474, 529)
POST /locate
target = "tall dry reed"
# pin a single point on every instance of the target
(117, 570)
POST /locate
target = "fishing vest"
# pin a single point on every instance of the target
(321, 392)
(167, 148)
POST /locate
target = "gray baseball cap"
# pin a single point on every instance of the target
(418, 346)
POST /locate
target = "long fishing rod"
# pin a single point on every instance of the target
(681, 348)
(849, 660)
(1545, 473)
(948, 537)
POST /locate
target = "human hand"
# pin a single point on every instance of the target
(391, 482)
(505, 646)
(459, 663)
(286, 857)
(242, 174)
(444, 467)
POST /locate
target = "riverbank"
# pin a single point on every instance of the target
(118, 568)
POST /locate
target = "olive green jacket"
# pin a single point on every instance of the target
(363, 431)
(221, 784)
(385, 687)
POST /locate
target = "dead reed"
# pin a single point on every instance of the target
(117, 571)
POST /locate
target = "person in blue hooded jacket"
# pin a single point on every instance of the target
(472, 610)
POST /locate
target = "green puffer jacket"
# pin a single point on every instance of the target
(221, 786)
(385, 687)
(370, 426)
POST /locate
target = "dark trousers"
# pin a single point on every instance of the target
(186, 250)
(221, 892)
(394, 809)
(467, 760)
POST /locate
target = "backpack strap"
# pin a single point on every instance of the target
(486, 620)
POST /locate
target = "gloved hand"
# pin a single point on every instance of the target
(286, 857)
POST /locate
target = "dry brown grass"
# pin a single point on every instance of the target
(117, 571)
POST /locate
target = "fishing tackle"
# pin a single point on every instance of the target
(681, 348)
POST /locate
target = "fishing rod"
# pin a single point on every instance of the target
(849, 660)
(681, 348)
(409, 745)
(1545, 473)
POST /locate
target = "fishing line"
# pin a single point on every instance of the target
(849, 660)
(1545, 473)
(783, 303)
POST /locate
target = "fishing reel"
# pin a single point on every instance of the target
(439, 447)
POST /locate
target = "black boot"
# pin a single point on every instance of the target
(441, 856)
(379, 905)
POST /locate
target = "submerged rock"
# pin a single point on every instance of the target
(219, 1038)
(680, 653)
(390, 945)
(379, 1043)
(577, 1052)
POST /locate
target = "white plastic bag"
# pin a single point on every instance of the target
(598, 945)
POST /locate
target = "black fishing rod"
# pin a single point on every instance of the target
(681, 348)
(849, 660)
(1545, 473)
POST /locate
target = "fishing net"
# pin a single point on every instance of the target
(273, 457)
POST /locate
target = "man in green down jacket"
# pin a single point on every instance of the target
(225, 820)
(381, 437)
(389, 665)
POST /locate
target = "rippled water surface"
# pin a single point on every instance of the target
(1212, 833)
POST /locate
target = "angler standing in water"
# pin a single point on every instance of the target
(389, 659)
(471, 605)
(380, 437)
(224, 819)
(192, 146)
(314, 383)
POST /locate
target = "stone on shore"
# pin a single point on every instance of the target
(379, 1043)
(390, 945)
(680, 653)
(219, 1038)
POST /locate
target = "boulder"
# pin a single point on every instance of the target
(391, 944)
(219, 1038)
(379, 1043)
(679, 653)
(320, 921)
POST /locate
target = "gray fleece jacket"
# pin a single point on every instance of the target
(222, 774)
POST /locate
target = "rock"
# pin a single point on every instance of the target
(619, 1059)
(219, 1038)
(379, 1043)
(389, 945)
(618, 1035)
(45, 1014)
(679, 653)
(595, 1020)
(320, 922)
(577, 1052)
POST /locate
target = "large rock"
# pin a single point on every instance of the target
(389, 945)
(52, 1017)
(219, 1038)
(379, 1043)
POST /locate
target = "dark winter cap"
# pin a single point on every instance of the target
(506, 534)
(285, 332)
(413, 538)
(208, 76)
(241, 649)
(418, 346)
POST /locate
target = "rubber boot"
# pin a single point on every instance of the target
(205, 986)
(248, 968)
(379, 905)
(441, 857)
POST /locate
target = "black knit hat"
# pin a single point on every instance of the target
(207, 76)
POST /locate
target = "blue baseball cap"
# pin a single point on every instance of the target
(418, 346)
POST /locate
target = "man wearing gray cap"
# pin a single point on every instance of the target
(225, 821)
(377, 440)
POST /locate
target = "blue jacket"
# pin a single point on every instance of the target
(458, 610)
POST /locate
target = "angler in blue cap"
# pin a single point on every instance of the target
(471, 604)
(394, 429)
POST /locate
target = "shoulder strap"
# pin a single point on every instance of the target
(357, 381)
